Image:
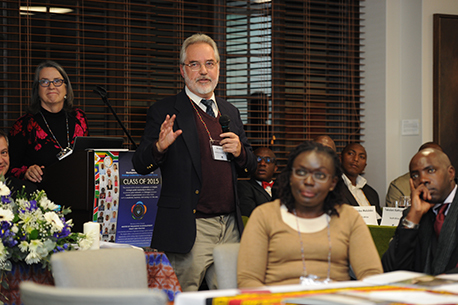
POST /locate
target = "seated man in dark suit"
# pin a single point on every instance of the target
(14, 184)
(258, 189)
(357, 192)
(401, 185)
(426, 239)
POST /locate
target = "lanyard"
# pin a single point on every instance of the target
(68, 132)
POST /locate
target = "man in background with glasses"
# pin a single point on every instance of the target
(198, 206)
(259, 189)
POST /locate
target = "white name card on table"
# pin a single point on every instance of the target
(368, 214)
(391, 216)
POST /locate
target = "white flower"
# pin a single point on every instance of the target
(6, 215)
(4, 190)
(34, 244)
(23, 246)
(34, 224)
(54, 220)
(29, 220)
(86, 243)
(3, 252)
(45, 203)
(14, 229)
(21, 202)
(32, 258)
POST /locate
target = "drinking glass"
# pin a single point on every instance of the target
(404, 202)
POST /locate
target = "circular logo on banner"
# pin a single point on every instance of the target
(138, 210)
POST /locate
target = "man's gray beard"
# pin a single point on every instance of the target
(199, 89)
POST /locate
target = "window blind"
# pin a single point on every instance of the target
(292, 67)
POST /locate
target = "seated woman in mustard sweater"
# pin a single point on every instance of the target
(306, 235)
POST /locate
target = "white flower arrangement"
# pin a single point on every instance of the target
(32, 229)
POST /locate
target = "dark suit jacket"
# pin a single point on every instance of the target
(419, 249)
(371, 195)
(251, 194)
(175, 226)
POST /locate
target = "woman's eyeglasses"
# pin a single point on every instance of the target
(46, 82)
(302, 173)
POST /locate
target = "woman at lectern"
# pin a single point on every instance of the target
(45, 134)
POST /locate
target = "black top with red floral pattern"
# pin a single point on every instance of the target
(31, 142)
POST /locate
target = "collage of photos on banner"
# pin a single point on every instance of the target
(107, 194)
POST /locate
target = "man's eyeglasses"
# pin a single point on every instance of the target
(196, 66)
(302, 173)
(46, 82)
(268, 160)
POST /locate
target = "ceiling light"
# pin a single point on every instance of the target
(43, 9)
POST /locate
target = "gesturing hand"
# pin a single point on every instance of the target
(167, 136)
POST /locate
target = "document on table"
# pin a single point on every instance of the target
(376, 298)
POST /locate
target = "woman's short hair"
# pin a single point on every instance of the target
(35, 100)
(196, 38)
(283, 181)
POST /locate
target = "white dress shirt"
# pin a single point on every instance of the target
(449, 199)
(197, 100)
(357, 190)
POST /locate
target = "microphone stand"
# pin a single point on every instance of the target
(103, 94)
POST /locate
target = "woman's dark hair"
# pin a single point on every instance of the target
(35, 102)
(283, 180)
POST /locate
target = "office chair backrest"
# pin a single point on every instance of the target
(225, 260)
(104, 268)
(37, 294)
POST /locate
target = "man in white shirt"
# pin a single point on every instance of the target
(357, 192)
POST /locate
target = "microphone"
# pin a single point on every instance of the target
(224, 120)
(103, 94)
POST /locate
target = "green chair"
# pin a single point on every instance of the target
(382, 236)
(245, 220)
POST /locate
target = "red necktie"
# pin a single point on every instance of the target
(266, 184)
(440, 217)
